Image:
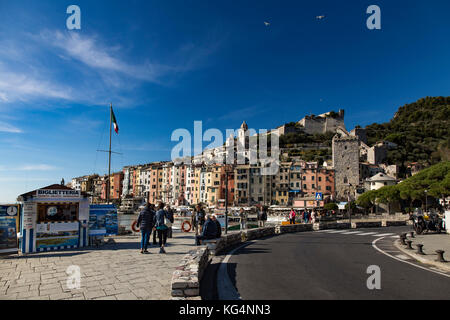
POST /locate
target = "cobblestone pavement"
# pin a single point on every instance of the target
(116, 271)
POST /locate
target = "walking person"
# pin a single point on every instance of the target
(171, 219)
(292, 216)
(243, 218)
(313, 216)
(262, 217)
(161, 221)
(305, 216)
(209, 231)
(145, 223)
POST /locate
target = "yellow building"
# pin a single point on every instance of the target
(281, 184)
(196, 185)
(212, 182)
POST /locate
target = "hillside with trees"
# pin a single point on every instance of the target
(421, 131)
(431, 182)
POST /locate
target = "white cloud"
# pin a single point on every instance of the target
(72, 67)
(91, 52)
(29, 167)
(6, 127)
(36, 167)
(17, 86)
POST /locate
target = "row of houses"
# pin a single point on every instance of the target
(353, 169)
(186, 184)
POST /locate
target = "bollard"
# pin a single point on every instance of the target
(412, 234)
(440, 254)
(420, 249)
(403, 238)
(409, 242)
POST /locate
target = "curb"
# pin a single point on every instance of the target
(440, 265)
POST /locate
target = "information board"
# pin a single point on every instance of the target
(8, 234)
(103, 220)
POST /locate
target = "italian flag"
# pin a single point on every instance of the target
(114, 121)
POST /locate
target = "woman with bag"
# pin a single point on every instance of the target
(145, 223)
(162, 224)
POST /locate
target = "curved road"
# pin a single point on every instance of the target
(330, 265)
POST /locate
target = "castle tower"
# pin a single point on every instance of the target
(346, 165)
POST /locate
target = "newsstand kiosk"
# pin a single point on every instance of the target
(53, 218)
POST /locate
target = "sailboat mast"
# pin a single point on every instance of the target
(109, 162)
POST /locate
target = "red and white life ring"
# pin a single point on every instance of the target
(184, 224)
(133, 226)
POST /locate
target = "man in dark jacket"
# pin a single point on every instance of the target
(145, 223)
(219, 227)
(209, 231)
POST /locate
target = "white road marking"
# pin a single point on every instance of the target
(352, 232)
(413, 264)
(395, 237)
(225, 288)
(382, 235)
(337, 231)
(367, 233)
(402, 256)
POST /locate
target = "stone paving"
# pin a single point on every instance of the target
(431, 242)
(115, 271)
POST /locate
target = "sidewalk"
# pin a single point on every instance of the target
(115, 271)
(431, 242)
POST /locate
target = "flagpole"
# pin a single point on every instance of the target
(109, 162)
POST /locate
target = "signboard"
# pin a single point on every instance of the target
(103, 220)
(57, 227)
(50, 193)
(83, 213)
(319, 196)
(29, 215)
(57, 234)
(9, 211)
(8, 234)
(221, 218)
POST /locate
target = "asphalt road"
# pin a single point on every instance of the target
(323, 265)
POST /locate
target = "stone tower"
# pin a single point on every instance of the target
(346, 165)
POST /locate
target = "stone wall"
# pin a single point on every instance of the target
(186, 277)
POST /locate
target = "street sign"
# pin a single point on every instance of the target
(319, 196)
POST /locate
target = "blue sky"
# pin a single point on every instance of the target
(166, 64)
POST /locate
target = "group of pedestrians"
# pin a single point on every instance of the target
(307, 216)
(158, 220)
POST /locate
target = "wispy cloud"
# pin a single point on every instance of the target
(72, 67)
(18, 86)
(6, 127)
(29, 167)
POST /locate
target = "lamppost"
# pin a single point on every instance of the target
(349, 210)
(426, 200)
(226, 200)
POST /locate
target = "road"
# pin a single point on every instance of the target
(331, 265)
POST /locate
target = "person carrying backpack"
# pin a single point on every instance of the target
(161, 225)
(145, 223)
